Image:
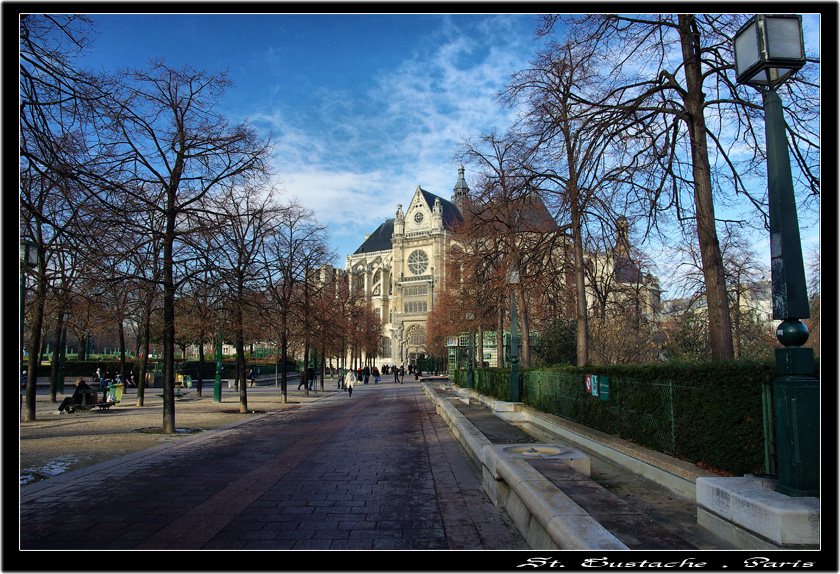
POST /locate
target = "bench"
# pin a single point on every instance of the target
(179, 394)
(86, 407)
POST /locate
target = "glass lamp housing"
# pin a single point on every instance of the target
(768, 50)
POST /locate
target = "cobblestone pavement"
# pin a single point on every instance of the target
(376, 471)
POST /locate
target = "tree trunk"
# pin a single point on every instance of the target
(144, 359)
(524, 334)
(121, 331)
(35, 341)
(199, 383)
(480, 346)
(240, 367)
(169, 315)
(720, 327)
(580, 290)
(56, 356)
(500, 338)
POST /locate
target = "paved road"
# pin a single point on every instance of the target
(379, 470)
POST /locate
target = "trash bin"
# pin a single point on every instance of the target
(118, 391)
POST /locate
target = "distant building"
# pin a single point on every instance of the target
(401, 268)
(402, 263)
(615, 279)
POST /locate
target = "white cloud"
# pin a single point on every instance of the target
(352, 157)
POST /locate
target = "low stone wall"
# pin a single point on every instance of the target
(546, 517)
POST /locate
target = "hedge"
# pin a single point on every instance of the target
(709, 414)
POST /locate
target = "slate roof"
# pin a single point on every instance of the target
(380, 240)
(451, 214)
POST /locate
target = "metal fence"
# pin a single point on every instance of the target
(713, 419)
(640, 411)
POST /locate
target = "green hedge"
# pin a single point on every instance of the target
(709, 414)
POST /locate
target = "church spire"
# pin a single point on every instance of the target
(460, 197)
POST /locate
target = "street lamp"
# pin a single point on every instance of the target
(28, 259)
(62, 353)
(768, 50)
(470, 372)
(513, 280)
(217, 384)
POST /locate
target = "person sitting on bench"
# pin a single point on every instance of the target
(77, 397)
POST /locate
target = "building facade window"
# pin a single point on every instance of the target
(418, 262)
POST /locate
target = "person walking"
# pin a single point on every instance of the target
(402, 373)
(375, 373)
(366, 373)
(351, 381)
(396, 374)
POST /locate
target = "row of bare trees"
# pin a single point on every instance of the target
(625, 116)
(150, 210)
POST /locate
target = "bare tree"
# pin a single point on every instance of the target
(512, 229)
(169, 148)
(672, 96)
(296, 243)
(236, 225)
(573, 143)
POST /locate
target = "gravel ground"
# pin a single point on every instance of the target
(54, 443)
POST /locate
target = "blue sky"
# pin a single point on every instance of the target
(362, 108)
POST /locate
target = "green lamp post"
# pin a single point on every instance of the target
(28, 259)
(471, 359)
(515, 395)
(62, 354)
(217, 384)
(769, 49)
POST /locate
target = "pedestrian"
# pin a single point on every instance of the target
(310, 376)
(351, 381)
(341, 374)
(396, 374)
(402, 373)
(375, 373)
(23, 380)
(367, 374)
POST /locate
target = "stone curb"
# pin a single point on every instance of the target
(541, 511)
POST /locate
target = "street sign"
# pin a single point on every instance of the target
(604, 387)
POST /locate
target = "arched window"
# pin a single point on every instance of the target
(417, 337)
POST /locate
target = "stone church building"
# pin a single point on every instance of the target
(401, 265)
(401, 268)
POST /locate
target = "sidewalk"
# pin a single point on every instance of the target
(378, 470)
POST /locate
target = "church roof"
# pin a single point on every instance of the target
(451, 215)
(379, 240)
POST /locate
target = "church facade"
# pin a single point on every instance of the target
(401, 265)
(401, 268)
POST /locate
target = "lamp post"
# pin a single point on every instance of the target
(513, 280)
(768, 50)
(28, 259)
(217, 384)
(62, 354)
(470, 371)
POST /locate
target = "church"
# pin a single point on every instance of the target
(401, 265)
